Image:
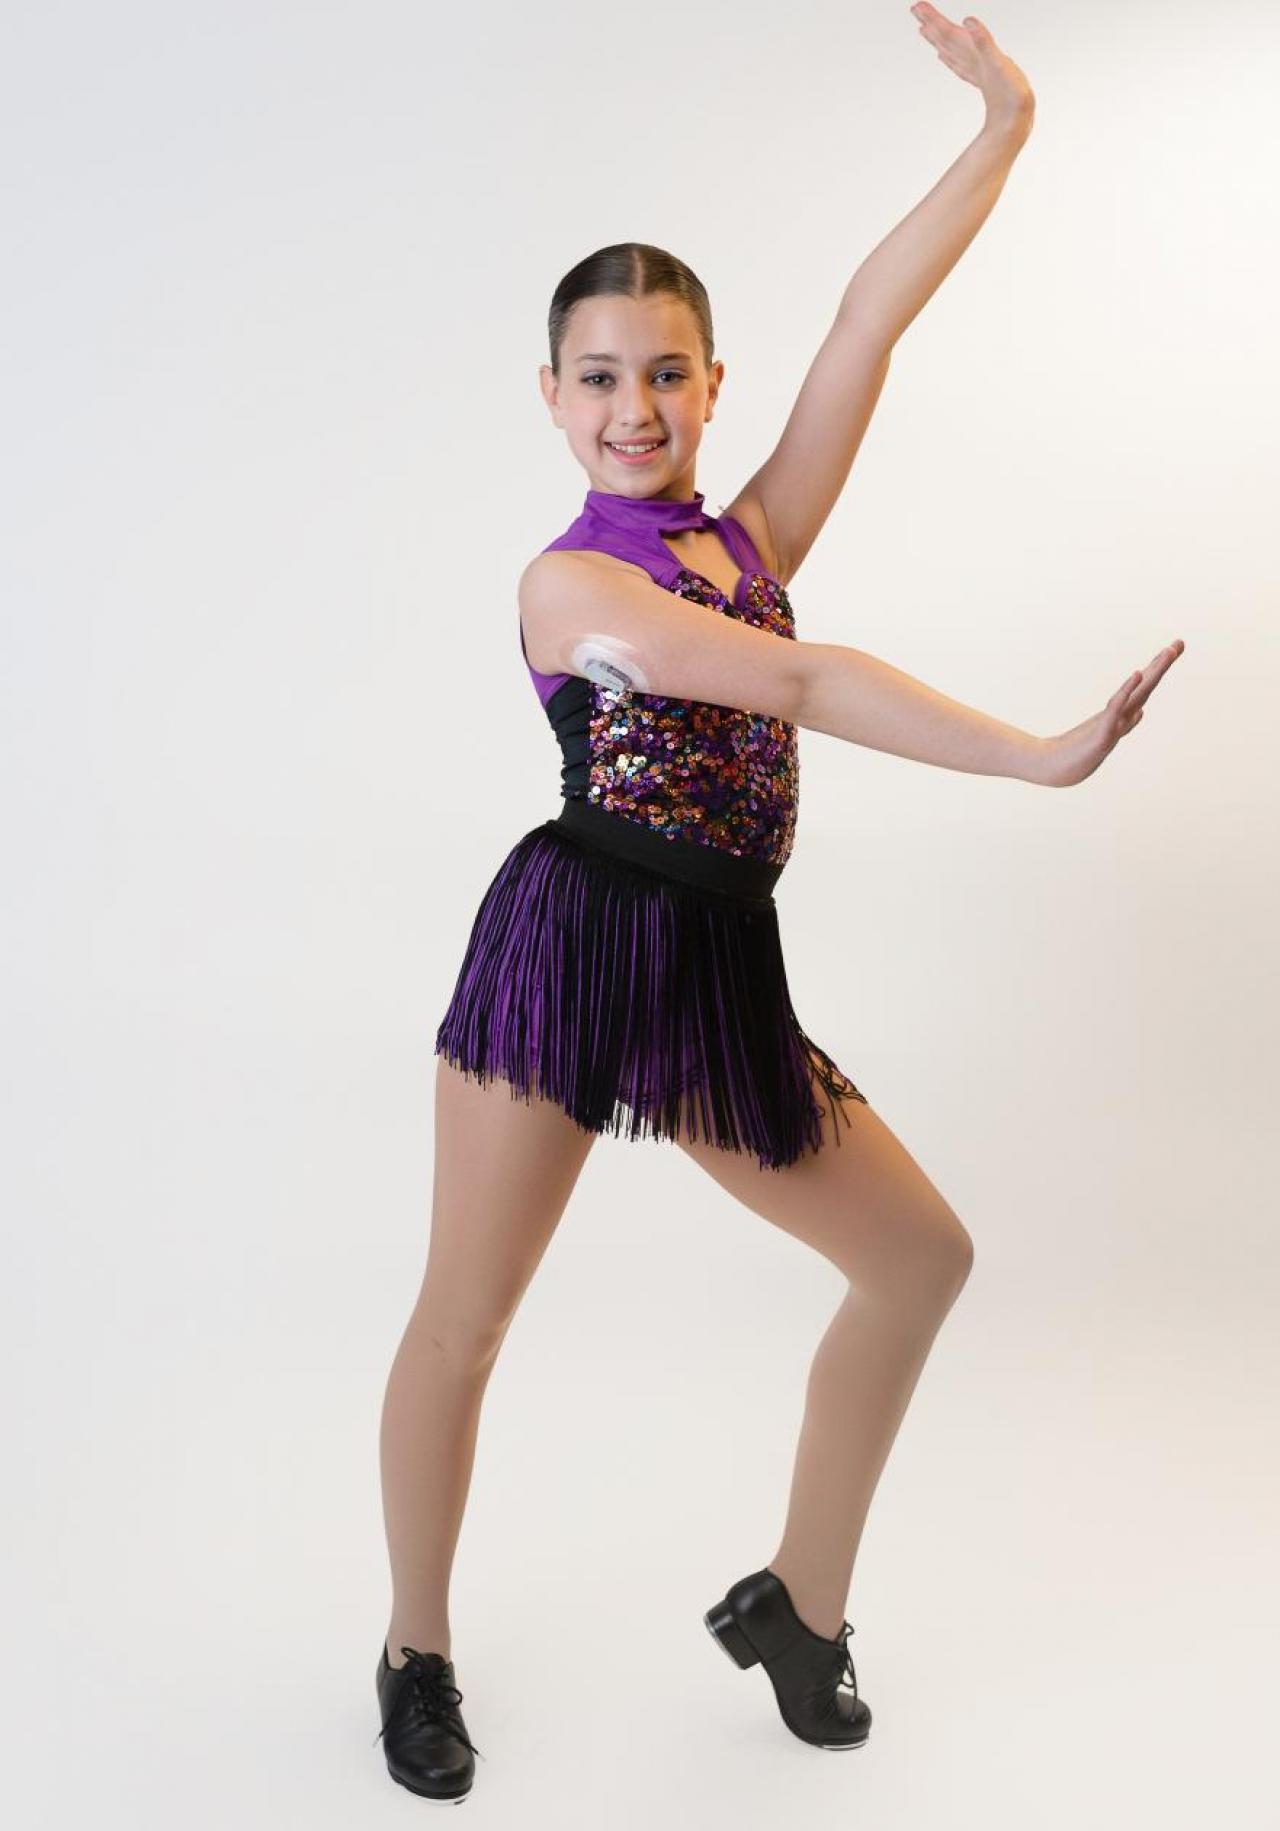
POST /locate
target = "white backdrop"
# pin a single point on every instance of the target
(275, 299)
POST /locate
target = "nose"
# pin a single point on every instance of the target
(637, 411)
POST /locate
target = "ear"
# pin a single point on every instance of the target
(713, 387)
(549, 386)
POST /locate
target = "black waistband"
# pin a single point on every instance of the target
(706, 867)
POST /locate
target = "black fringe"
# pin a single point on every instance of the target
(643, 1006)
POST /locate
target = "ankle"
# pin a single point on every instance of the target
(429, 1640)
(814, 1610)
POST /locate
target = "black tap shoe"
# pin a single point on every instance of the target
(755, 1621)
(424, 1737)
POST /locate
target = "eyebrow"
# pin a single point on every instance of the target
(608, 356)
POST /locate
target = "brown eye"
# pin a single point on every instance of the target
(597, 376)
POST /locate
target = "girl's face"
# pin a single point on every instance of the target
(632, 372)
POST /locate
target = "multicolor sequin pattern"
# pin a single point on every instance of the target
(713, 774)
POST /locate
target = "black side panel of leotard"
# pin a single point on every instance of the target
(569, 710)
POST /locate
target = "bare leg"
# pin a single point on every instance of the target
(504, 1170)
(866, 1205)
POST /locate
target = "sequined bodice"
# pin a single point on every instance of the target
(686, 769)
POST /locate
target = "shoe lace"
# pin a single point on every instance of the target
(429, 1696)
(845, 1668)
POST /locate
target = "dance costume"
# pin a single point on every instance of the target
(625, 960)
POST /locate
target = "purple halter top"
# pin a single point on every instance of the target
(685, 769)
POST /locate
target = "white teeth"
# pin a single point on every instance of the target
(631, 449)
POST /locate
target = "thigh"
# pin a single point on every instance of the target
(504, 1170)
(862, 1200)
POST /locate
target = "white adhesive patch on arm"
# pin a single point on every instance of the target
(610, 663)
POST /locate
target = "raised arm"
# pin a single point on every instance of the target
(799, 483)
(903, 272)
(583, 614)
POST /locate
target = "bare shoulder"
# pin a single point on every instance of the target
(563, 562)
(545, 585)
(748, 509)
(548, 574)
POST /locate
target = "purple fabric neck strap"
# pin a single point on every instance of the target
(648, 515)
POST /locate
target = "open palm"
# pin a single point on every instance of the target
(971, 51)
(1075, 754)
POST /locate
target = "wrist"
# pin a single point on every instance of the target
(1008, 128)
(1033, 760)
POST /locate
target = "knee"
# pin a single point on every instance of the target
(457, 1339)
(950, 1254)
(958, 1254)
(931, 1258)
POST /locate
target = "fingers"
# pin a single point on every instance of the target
(954, 44)
(1155, 672)
(935, 26)
(926, 15)
(1131, 696)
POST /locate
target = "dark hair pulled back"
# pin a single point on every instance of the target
(633, 270)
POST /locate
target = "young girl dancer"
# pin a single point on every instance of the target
(624, 971)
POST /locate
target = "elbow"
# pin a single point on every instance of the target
(802, 684)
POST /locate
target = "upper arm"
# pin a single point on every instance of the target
(684, 650)
(799, 483)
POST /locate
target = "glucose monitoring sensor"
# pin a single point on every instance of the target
(610, 663)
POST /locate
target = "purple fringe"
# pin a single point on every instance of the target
(641, 1005)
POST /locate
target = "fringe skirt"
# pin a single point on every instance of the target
(638, 982)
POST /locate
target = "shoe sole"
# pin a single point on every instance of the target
(720, 1623)
(439, 1799)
